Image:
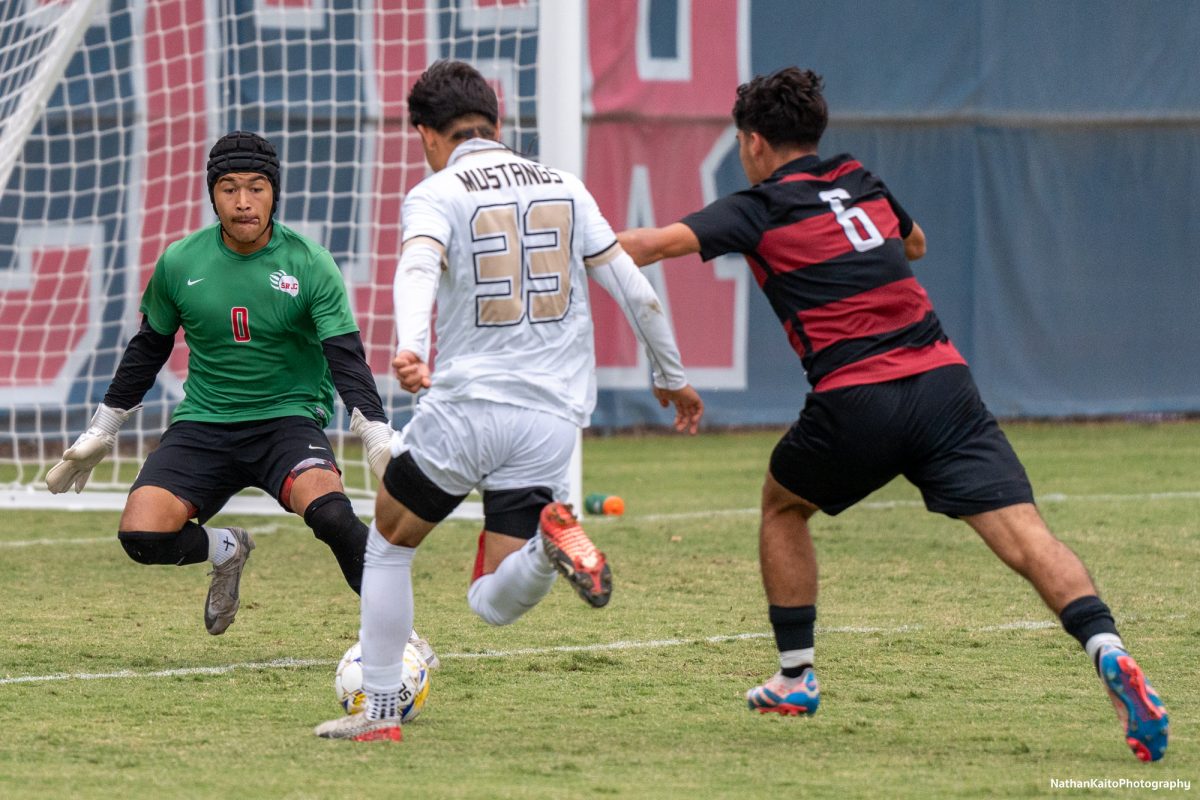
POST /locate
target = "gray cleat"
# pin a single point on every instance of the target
(221, 605)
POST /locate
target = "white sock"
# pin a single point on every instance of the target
(1094, 643)
(537, 552)
(518, 584)
(222, 545)
(383, 705)
(386, 621)
(796, 658)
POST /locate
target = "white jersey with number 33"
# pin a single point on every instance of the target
(513, 320)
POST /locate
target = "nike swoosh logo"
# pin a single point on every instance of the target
(194, 282)
(311, 446)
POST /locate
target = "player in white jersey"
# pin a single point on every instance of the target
(505, 245)
(513, 319)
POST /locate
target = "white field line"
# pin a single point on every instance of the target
(291, 663)
(284, 663)
(169, 673)
(1050, 497)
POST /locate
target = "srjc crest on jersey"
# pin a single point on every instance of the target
(285, 283)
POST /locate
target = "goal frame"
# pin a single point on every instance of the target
(559, 80)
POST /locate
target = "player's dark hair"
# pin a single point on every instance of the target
(785, 107)
(448, 91)
(243, 151)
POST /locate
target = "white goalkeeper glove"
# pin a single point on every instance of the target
(89, 450)
(376, 438)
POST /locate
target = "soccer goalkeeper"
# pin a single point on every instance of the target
(270, 334)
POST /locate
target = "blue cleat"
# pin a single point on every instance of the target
(1136, 702)
(788, 696)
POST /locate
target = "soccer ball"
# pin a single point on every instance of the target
(414, 691)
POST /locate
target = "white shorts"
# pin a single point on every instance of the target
(468, 444)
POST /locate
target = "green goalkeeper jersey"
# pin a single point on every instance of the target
(253, 325)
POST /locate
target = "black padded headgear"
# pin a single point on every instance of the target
(243, 151)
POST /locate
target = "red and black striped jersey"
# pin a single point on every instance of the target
(825, 240)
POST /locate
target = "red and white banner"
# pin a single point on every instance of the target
(651, 114)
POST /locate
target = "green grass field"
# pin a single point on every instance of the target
(942, 675)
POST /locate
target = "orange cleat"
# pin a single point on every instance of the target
(573, 554)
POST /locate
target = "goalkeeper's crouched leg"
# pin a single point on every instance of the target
(188, 545)
(333, 521)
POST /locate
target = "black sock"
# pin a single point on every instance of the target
(332, 520)
(188, 545)
(349, 551)
(1087, 616)
(793, 631)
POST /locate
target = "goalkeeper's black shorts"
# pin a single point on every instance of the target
(932, 428)
(206, 463)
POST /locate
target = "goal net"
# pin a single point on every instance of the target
(107, 111)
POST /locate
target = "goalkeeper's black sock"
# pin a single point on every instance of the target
(332, 519)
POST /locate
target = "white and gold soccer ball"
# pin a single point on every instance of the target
(414, 691)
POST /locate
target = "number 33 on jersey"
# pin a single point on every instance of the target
(514, 237)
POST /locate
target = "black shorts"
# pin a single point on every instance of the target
(513, 512)
(206, 463)
(932, 428)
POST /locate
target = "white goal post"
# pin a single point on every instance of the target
(35, 56)
(107, 109)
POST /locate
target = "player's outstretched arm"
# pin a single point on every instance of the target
(88, 450)
(689, 408)
(376, 438)
(352, 378)
(144, 356)
(413, 292)
(651, 245)
(617, 275)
